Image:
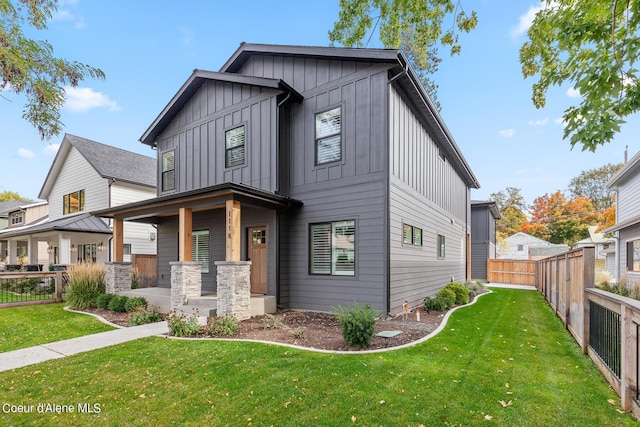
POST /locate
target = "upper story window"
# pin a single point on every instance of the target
(17, 218)
(329, 136)
(234, 146)
(73, 202)
(168, 170)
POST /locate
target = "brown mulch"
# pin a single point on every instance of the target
(318, 330)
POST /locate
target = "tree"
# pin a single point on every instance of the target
(11, 195)
(556, 219)
(512, 207)
(28, 66)
(593, 45)
(592, 184)
(414, 25)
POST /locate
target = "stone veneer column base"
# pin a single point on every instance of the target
(117, 276)
(234, 289)
(186, 282)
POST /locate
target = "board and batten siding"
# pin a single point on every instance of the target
(197, 134)
(353, 188)
(77, 174)
(426, 192)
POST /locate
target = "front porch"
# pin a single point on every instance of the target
(206, 304)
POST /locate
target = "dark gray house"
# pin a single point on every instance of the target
(328, 169)
(484, 215)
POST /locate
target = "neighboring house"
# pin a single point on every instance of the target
(484, 215)
(5, 208)
(525, 246)
(596, 240)
(84, 176)
(328, 168)
(16, 213)
(626, 183)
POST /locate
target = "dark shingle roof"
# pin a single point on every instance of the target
(9, 205)
(113, 162)
(85, 223)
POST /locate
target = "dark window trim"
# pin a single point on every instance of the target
(193, 234)
(162, 171)
(413, 235)
(355, 249)
(244, 145)
(630, 258)
(441, 246)
(341, 106)
(66, 202)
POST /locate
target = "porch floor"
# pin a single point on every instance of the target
(206, 304)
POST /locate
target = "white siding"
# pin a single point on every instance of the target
(136, 234)
(122, 193)
(77, 174)
(629, 199)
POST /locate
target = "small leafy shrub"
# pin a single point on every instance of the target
(118, 303)
(103, 300)
(461, 292)
(474, 287)
(269, 321)
(142, 316)
(132, 304)
(86, 282)
(299, 333)
(448, 296)
(437, 304)
(222, 326)
(357, 323)
(181, 325)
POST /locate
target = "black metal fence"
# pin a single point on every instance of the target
(605, 337)
(22, 288)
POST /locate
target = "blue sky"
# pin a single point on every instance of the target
(149, 48)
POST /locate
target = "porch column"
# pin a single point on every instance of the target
(185, 251)
(118, 240)
(117, 277)
(233, 276)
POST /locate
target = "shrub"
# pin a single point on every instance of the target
(132, 304)
(222, 326)
(182, 326)
(86, 282)
(299, 333)
(461, 292)
(269, 321)
(118, 303)
(448, 296)
(103, 300)
(135, 278)
(357, 323)
(437, 304)
(142, 316)
(474, 287)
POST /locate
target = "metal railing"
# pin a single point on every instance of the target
(26, 287)
(604, 336)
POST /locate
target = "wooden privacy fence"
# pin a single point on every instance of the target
(517, 272)
(146, 269)
(605, 325)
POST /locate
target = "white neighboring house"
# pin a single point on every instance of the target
(626, 231)
(86, 176)
(525, 246)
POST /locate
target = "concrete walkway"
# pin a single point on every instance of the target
(55, 350)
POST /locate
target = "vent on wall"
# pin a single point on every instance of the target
(152, 235)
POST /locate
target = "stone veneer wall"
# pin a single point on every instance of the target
(234, 289)
(186, 282)
(118, 277)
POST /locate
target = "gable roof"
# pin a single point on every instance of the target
(628, 169)
(109, 162)
(191, 86)
(531, 240)
(8, 206)
(488, 204)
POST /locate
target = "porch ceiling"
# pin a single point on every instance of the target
(214, 197)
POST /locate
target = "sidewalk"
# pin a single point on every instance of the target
(55, 350)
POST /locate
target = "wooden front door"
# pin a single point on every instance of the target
(257, 254)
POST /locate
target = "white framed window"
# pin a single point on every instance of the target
(168, 170)
(17, 217)
(633, 255)
(126, 249)
(234, 146)
(332, 250)
(441, 246)
(328, 136)
(200, 249)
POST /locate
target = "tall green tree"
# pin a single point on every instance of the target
(592, 45)
(418, 26)
(512, 207)
(29, 67)
(592, 184)
(11, 195)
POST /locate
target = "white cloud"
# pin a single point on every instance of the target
(525, 21)
(536, 123)
(188, 36)
(507, 133)
(573, 93)
(51, 149)
(25, 154)
(559, 121)
(80, 99)
(66, 15)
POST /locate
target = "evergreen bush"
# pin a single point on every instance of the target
(357, 323)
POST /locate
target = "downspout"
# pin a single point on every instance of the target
(617, 246)
(279, 178)
(110, 225)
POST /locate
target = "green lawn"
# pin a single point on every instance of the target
(43, 323)
(507, 347)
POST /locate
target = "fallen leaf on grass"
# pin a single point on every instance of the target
(488, 417)
(286, 404)
(611, 401)
(353, 418)
(620, 411)
(505, 404)
(506, 385)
